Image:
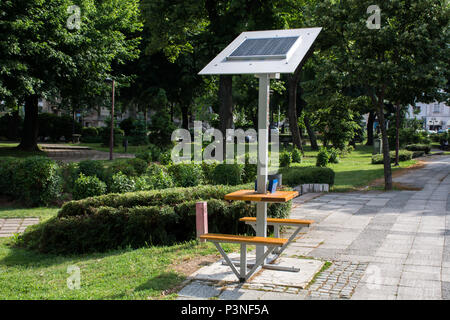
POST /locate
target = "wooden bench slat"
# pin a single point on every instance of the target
(244, 239)
(279, 221)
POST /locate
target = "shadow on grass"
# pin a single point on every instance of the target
(162, 282)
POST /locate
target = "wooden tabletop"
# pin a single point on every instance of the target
(251, 195)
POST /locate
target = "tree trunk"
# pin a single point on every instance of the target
(184, 116)
(292, 111)
(311, 133)
(370, 121)
(397, 139)
(30, 125)
(385, 141)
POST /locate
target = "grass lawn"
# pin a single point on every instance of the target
(353, 171)
(8, 149)
(146, 273)
(42, 213)
(117, 149)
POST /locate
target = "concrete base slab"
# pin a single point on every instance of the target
(308, 268)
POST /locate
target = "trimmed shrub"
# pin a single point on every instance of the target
(334, 156)
(37, 181)
(139, 165)
(186, 174)
(143, 183)
(250, 172)
(106, 133)
(165, 158)
(417, 154)
(403, 155)
(228, 174)
(296, 156)
(322, 158)
(120, 183)
(90, 135)
(145, 155)
(295, 176)
(88, 186)
(120, 166)
(285, 159)
(159, 178)
(419, 147)
(8, 169)
(91, 168)
(208, 169)
(69, 173)
(105, 227)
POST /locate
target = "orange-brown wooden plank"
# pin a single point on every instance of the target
(251, 195)
(243, 239)
(280, 221)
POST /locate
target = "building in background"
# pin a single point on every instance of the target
(435, 116)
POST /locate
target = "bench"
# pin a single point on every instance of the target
(277, 223)
(243, 275)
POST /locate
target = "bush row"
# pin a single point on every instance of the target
(295, 176)
(426, 148)
(403, 155)
(33, 180)
(139, 219)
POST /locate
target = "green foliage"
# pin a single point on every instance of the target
(296, 156)
(118, 136)
(144, 155)
(295, 176)
(37, 181)
(70, 173)
(285, 159)
(333, 156)
(91, 168)
(8, 169)
(165, 158)
(141, 218)
(186, 175)
(228, 174)
(208, 170)
(55, 126)
(120, 183)
(121, 166)
(403, 155)
(88, 186)
(90, 135)
(159, 178)
(322, 158)
(161, 129)
(139, 165)
(250, 172)
(419, 147)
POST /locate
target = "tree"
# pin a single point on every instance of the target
(413, 33)
(43, 56)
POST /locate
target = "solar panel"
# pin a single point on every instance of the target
(263, 52)
(263, 48)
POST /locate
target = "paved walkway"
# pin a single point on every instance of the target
(66, 153)
(381, 245)
(9, 226)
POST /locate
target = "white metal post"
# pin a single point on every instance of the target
(263, 150)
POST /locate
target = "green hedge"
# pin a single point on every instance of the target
(403, 155)
(295, 176)
(419, 147)
(139, 219)
(33, 180)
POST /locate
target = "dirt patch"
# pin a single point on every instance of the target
(397, 173)
(189, 265)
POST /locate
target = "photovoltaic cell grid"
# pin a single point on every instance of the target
(263, 48)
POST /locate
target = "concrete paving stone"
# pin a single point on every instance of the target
(417, 293)
(199, 290)
(241, 294)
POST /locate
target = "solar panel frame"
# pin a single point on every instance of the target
(225, 63)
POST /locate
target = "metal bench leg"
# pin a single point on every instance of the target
(243, 262)
(227, 259)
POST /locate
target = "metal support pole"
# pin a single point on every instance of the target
(263, 150)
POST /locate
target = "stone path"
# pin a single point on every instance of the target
(9, 226)
(380, 245)
(66, 153)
